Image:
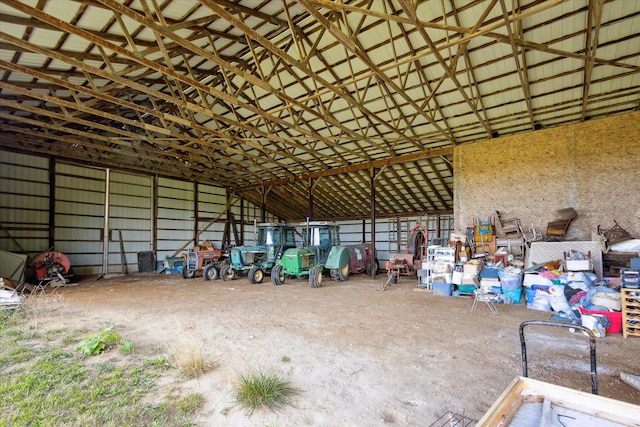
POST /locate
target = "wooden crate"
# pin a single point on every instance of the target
(531, 402)
(630, 299)
(489, 247)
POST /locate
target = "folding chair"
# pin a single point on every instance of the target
(535, 236)
(483, 295)
(508, 226)
(558, 229)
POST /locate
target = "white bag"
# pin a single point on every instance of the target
(610, 300)
(592, 322)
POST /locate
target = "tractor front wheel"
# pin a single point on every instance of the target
(188, 274)
(256, 275)
(210, 272)
(315, 276)
(339, 274)
(277, 275)
(227, 273)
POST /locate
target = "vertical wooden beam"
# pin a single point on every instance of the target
(226, 240)
(52, 201)
(154, 216)
(263, 206)
(234, 228)
(398, 232)
(196, 212)
(105, 225)
(373, 215)
(310, 189)
(241, 243)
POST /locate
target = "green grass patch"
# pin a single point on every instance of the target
(127, 347)
(45, 381)
(262, 389)
(159, 361)
(190, 404)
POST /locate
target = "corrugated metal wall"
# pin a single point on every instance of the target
(130, 215)
(211, 202)
(184, 211)
(24, 203)
(79, 215)
(176, 217)
(392, 234)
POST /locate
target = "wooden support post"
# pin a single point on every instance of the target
(263, 207)
(373, 216)
(310, 193)
(52, 202)
(196, 212)
(241, 243)
(123, 258)
(154, 215)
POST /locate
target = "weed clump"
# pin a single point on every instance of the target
(263, 389)
(94, 344)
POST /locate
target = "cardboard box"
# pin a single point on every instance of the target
(578, 265)
(441, 267)
(504, 258)
(467, 278)
(471, 267)
(441, 277)
(457, 237)
(489, 247)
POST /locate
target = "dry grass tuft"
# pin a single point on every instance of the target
(189, 356)
(37, 305)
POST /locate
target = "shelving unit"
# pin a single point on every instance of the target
(630, 299)
(437, 256)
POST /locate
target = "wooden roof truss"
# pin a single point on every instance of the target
(282, 102)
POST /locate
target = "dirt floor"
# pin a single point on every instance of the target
(359, 355)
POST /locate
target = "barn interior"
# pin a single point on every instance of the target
(450, 137)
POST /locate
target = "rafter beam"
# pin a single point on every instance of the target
(594, 18)
(520, 69)
(431, 153)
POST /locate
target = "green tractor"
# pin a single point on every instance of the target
(256, 261)
(321, 250)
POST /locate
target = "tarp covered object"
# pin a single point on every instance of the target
(12, 265)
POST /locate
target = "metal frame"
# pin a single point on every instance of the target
(592, 346)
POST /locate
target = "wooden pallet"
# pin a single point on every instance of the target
(630, 299)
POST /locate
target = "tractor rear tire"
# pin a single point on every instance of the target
(210, 272)
(256, 275)
(339, 274)
(315, 276)
(188, 274)
(227, 273)
(277, 275)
